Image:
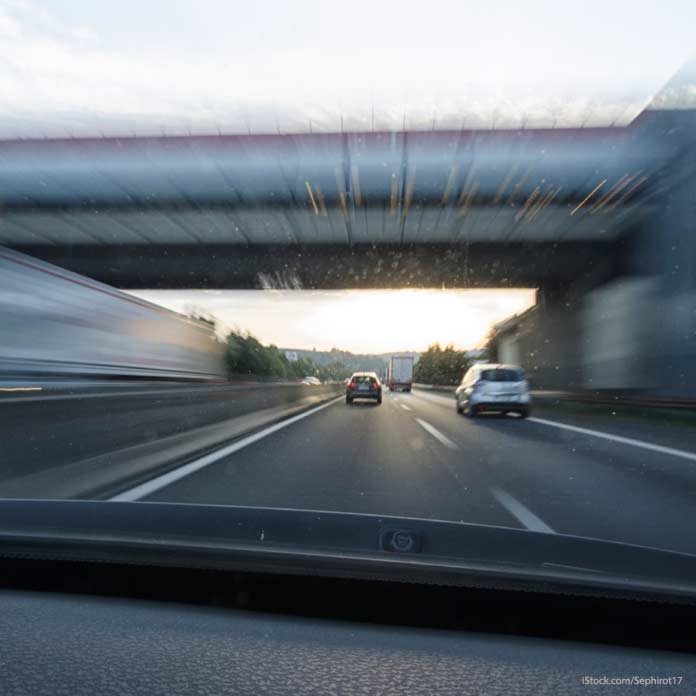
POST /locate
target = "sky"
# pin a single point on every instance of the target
(361, 321)
(78, 67)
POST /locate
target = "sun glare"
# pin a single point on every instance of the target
(361, 321)
(384, 320)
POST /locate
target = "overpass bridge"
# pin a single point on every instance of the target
(465, 209)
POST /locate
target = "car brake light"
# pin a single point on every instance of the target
(351, 385)
(374, 384)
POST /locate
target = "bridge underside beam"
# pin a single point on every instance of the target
(330, 266)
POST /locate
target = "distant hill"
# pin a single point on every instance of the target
(353, 361)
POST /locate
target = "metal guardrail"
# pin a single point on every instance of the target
(616, 399)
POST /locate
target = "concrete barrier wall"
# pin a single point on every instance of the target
(619, 320)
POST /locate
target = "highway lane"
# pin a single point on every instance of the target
(415, 456)
(360, 458)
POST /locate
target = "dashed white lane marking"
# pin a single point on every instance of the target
(405, 407)
(522, 513)
(618, 438)
(155, 484)
(436, 434)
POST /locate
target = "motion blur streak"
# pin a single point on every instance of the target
(588, 196)
(57, 323)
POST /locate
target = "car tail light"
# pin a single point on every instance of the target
(351, 385)
(374, 384)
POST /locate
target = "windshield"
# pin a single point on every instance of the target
(247, 258)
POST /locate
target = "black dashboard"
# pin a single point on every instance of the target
(98, 628)
(77, 644)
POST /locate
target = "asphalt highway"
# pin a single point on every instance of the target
(623, 479)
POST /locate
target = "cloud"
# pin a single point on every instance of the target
(59, 76)
(9, 27)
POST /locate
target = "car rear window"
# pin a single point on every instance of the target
(502, 375)
(364, 378)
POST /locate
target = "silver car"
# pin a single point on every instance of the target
(492, 387)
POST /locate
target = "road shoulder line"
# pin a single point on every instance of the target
(617, 438)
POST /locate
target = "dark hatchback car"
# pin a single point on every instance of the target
(364, 385)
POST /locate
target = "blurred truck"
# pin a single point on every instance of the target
(54, 322)
(400, 373)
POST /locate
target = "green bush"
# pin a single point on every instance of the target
(441, 365)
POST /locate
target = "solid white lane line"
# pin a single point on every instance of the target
(522, 513)
(405, 407)
(20, 389)
(618, 438)
(158, 482)
(436, 434)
